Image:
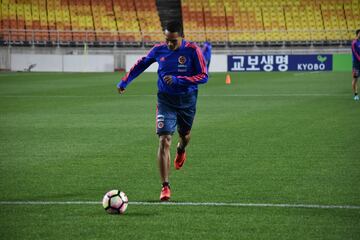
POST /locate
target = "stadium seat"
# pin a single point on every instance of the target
(217, 21)
(193, 20)
(149, 20)
(127, 24)
(245, 21)
(292, 20)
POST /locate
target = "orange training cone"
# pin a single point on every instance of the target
(228, 79)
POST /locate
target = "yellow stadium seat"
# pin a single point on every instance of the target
(226, 20)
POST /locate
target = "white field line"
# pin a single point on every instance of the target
(214, 204)
(201, 95)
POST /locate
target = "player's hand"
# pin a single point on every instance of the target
(121, 90)
(168, 79)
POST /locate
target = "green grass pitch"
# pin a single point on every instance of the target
(278, 138)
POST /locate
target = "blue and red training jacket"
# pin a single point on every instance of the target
(355, 47)
(186, 65)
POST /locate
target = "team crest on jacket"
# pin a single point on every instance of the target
(182, 60)
(160, 124)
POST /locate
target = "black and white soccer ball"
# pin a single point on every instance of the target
(115, 202)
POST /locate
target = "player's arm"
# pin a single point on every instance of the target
(140, 66)
(355, 49)
(200, 76)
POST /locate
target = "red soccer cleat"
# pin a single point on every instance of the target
(165, 193)
(179, 160)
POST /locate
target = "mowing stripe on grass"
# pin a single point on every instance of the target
(215, 204)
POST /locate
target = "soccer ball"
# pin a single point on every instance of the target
(115, 202)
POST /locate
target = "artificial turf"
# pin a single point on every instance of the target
(288, 138)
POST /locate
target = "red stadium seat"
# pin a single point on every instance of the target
(234, 20)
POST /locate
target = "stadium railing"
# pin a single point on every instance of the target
(228, 38)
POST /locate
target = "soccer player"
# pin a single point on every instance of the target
(207, 53)
(355, 47)
(181, 68)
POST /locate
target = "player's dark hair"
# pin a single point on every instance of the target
(357, 32)
(174, 26)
